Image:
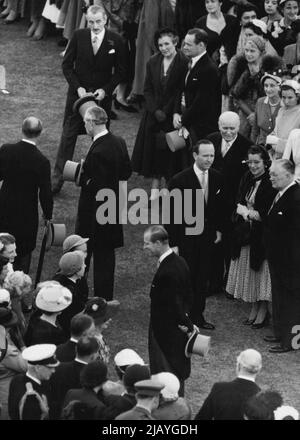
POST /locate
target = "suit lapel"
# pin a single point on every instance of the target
(103, 49)
(89, 45)
(282, 201)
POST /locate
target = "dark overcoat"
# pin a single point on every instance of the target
(171, 296)
(106, 164)
(25, 173)
(202, 98)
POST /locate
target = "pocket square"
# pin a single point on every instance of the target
(218, 191)
(280, 213)
(112, 51)
(195, 79)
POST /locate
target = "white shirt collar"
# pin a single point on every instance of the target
(99, 36)
(102, 133)
(164, 255)
(199, 172)
(196, 59)
(29, 142)
(80, 361)
(33, 378)
(251, 379)
(229, 143)
(286, 188)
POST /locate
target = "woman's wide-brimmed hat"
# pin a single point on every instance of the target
(56, 234)
(174, 141)
(53, 298)
(83, 104)
(72, 171)
(197, 344)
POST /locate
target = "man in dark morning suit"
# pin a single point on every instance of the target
(206, 186)
(67, 374)
(81, 325)
(197, 106)
(106, 165)
(94, 62)
(29, 393)
(171, 296)
(26, 177)
(230, 152)
(282, 238)
(226, 400)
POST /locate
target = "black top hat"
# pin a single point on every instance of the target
(89, 97)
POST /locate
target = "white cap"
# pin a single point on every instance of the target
(41, 354)
(128, 357)
(4, 296)
(286, 411)
(171, 384)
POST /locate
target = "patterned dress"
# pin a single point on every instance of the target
(243, 282)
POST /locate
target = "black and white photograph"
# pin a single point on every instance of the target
(149, 213)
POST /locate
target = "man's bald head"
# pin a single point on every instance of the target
(32, 127)
(229, 125)
(249, 362)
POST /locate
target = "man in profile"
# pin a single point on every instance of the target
(106, 165)
(25, 173)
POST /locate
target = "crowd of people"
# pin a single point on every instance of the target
(219, 85)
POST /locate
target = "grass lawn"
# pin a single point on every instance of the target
(38, 88)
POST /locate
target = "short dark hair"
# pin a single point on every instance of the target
(169, 32)
(245, 8)
(262, 152)
(158, 233)
(86, 346)
(271, 398)
(79, 324)
(257, 409)
(93, 374)
(200, 35)
(32, 127)
(201, 142)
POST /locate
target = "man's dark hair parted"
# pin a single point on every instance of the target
(201, 142)
(79, 324)
(86, 346)
(200, 35)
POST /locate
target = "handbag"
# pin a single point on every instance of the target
(174, 141)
